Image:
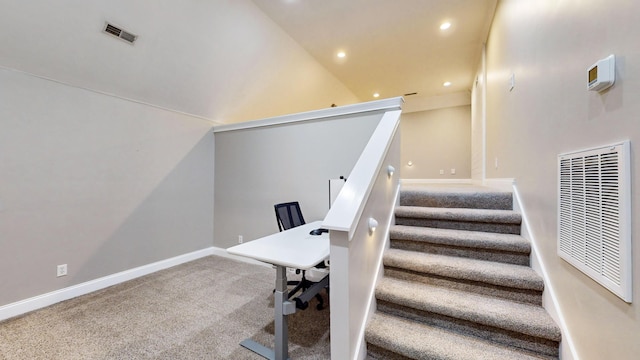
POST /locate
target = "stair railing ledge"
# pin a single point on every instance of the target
(347, 209)
(356, 250)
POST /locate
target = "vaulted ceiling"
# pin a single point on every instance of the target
(392, 47)
(236, 60)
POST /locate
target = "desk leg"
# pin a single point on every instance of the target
(283, 307)
(281, 325)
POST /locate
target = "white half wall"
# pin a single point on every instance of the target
(257, 168)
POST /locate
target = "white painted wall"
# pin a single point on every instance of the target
(549, 45)
(478, 122)
(95, 182)
(436, 140)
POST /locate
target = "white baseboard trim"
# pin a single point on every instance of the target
(549, 296)
(434, 181)
(503, 184)
(44, 300)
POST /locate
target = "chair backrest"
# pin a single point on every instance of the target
(288, 215)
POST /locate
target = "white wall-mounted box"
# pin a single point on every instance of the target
(602, 74)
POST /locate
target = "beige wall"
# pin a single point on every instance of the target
(478, 122)
(549, 45)
(436, 140)
(96, 182)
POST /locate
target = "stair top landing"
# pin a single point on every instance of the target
(456, 197)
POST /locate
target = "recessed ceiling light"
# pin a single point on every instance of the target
(341, 54)
(445, 25)
(375, 95)
(447, 83)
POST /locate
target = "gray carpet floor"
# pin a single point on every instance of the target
(198, 310)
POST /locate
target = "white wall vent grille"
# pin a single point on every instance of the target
(594, 215)
(119, 33)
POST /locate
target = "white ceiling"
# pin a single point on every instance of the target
(393, 47)
(246, 59)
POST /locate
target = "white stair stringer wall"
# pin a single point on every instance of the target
(549, 296)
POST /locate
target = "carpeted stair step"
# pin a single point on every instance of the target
(507, 248)
(456, 282)
(394, 338)
(489, 220)
(474, 197)
(513, 282)
(510, 323)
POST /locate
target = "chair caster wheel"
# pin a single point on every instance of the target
(301, 305)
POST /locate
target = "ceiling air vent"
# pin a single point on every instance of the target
(119, 33)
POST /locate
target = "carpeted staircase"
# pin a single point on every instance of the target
(457, 283)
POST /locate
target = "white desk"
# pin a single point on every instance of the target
(294, 248)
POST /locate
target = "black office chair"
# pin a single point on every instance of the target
(289, 216)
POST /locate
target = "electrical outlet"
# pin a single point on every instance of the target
(62, 270)
(441, 172)
(453, 171)
(240, 239)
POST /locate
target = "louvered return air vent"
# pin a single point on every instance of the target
(119, 33)
(594, 215)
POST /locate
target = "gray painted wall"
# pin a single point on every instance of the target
(96, 182)
(436, 140)
(259, 167)
(105, 184)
